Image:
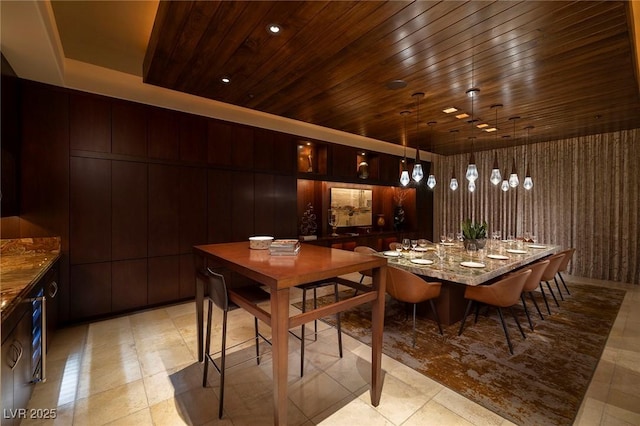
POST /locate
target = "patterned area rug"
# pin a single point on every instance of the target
(545, 380)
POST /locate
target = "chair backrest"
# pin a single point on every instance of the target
(537, 269)
(503, 293)
(365, 250)
(552, 268)
(217, 289)
(568, 255)
(392, 246)
(409, 287)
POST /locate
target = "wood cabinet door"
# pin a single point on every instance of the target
(90, 215)
(343, 161)
(219, 199)
(193, 208)
(90, 290)
(128, 128)
(129, 210)
(193, 138)
(164, 210)
(128, 284)
(163, 284)
(89, 123)
(162, 134)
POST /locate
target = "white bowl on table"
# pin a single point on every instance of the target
(260, 242)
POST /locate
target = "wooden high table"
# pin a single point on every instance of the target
(280, 273)
(455, 277)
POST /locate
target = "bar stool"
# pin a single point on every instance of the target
(219, 294)
(315, 286)
(502, 294)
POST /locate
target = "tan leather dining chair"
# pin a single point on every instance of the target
(394, 245)
(532, 283)
(548, 275)
(568, 255)
(365, 250)
(502, 294)
(408, 287)
(219, 295)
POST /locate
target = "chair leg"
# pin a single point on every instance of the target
(338, 325)
(255, 325)
(526, 311)
(477, 312)
(564, 283)
(552, 294)
(223, 357)
(544, 296)
(533, 299)
(466, 312)
(435, 313)
(558, 285)
(506, 332)
(515, 317)
(315, 322)
(207, 346)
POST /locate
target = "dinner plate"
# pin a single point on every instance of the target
(448, 244)
(391, 253)
(497, 256)
(537, 246)
(421, 249)
(516, 251)
(422, 261)
(473, 264)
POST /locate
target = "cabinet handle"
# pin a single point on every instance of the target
(53, 289)
(16, 354)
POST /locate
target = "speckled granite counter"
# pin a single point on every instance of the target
(23, 262)
(452, 270)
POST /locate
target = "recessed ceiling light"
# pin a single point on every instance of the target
(490, 129)
(450, 110)
(274, 29)
(396, 84)
(225, 80)
(461, 116)
(482, 125)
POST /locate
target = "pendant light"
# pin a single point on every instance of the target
(472, 169)
(417, 173)
(528, 182)
(453, 183)
(496, 178)
(505, 183)
(404, 175)
(513, 177)
(431, 180)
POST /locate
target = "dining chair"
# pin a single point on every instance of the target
(365, 250)
(219, 294)
(548, 275)
(408, 287)
(503, 293)
(302, 337)
(394, 245)
(568, 255)
(532, 283)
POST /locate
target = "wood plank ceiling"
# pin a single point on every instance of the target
(564, 67)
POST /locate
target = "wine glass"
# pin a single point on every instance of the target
(443, 238)
(414, 244)
(333, 221)
(534, 239)
(441, 252)
(406, 244)
(450, 237)
(459, 236)
(422, 243)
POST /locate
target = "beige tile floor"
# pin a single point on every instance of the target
(142, 369)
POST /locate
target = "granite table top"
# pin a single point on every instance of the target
(23, 261)
(512, 255)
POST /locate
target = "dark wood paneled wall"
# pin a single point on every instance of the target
(131, 188)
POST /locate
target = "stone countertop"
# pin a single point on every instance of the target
(23, 261)
(452, 270)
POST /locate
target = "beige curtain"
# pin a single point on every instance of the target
(586, 195)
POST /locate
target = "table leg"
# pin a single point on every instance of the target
(199, 307)
(280, 348)
(377, 327)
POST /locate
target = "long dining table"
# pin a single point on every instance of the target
(280, 274)
(460, 268)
